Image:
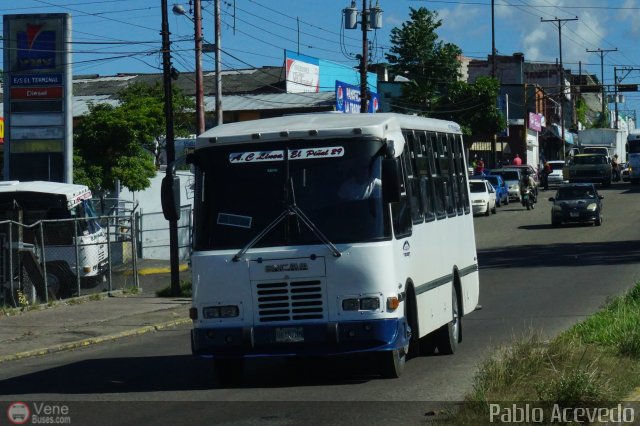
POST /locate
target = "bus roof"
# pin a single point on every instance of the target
(328, 125)
(73, 193)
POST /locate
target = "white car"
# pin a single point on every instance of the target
(483, 197)
(556, 178)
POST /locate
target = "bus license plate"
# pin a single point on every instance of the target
(289, 334)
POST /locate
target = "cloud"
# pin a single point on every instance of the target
(632, 16)
(503, 10)
(536, 45)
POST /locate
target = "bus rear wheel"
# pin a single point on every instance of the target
(448, 336)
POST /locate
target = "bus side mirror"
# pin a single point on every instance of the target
(391, 183)
(170, 194)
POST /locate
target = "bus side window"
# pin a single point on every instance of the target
(438, 181)
(424, 170)
(413, 181)
(444, 160)
(462, 177)
(456, 171)
(401, 211)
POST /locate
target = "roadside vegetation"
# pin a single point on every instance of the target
(593, 364)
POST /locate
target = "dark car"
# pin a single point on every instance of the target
(576, 202)
(502, 192)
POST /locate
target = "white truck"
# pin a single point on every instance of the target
(604, 141)
(73, 241)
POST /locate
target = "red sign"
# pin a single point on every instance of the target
(36, 92)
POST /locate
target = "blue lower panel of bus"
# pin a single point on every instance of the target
(301, 339)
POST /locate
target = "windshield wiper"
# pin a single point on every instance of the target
(291, 209)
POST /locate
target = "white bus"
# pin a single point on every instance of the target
(71, 232)
(633, 157)
(288, 261)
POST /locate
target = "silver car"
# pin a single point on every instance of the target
(556, 177)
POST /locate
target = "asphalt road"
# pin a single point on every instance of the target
(533, 277)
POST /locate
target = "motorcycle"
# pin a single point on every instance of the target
(528, 199)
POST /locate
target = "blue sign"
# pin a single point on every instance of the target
(348, 99)
(36, 49)
(36, 80)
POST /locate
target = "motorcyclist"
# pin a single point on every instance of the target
(527, 183)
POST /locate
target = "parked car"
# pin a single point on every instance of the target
(576, 202)
(512, 178)
(502, 192)
(556, 178)
(483, 197)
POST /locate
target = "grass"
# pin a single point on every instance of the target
(593, 364)
(185, 290)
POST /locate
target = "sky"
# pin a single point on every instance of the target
(123, 36)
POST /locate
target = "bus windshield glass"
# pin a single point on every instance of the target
(85, 210)
(242, 189)
(634, 146)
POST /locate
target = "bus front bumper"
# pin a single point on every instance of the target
(334, 338)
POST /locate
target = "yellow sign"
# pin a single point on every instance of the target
(2, 129)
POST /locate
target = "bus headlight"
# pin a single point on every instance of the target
(227, 311)
(361, 304)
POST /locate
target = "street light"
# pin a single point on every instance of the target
(197, 21)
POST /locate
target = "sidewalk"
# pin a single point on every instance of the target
(68, 325)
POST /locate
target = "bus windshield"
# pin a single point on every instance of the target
(85, 210)
(634, 146)
(242, 189)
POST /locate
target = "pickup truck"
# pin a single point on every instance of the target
(593, 168)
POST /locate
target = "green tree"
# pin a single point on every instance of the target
(417, 54)
(123, 142)
(433, 70)
(473, 106)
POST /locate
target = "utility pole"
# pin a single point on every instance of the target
(493, 42)
(197, 18)
(364, 93)
(170, 143)
(197, 23)
(218, 75)
(560, 23)
(602, 52)
(371, 19)
(615, 95)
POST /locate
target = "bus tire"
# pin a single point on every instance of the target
(392, 363)
(60, 280)
(229, 370)
(448, 336)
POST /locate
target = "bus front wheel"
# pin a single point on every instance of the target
(392, 363)
(229, 371)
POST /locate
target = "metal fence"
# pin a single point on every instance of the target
(61, 258)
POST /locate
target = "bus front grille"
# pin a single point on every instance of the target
(289, 300)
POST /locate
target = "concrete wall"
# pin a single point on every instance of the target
(154, 228)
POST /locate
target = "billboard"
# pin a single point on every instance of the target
(38, 97)
(303, 74)
(348, 99)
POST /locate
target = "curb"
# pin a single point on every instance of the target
(94, 340)
(161, 270)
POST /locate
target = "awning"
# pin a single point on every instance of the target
(557, 132)
(486, 146)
